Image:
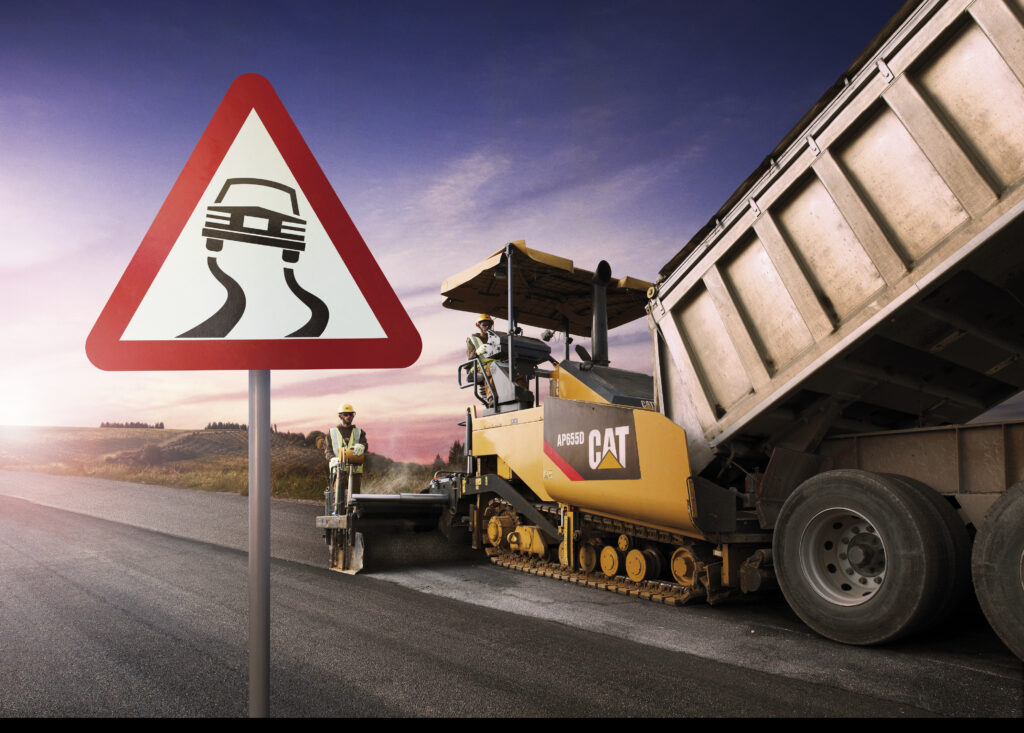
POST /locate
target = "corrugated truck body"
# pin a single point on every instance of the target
(875, 261)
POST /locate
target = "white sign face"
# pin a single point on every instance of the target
(253, 262)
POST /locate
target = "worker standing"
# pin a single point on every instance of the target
(484, 345)
(347, 447)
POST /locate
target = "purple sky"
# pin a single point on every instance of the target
(593, 130)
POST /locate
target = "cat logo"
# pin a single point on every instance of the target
(589, 442)
(608, 450)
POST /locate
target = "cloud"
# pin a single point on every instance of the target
(563, 200)
(339, 382)
(456, 194)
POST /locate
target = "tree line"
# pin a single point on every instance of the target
(456, 457)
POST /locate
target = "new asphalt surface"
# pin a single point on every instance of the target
(120, 599)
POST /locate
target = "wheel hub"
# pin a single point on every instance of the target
(843, 556)
(864, 556)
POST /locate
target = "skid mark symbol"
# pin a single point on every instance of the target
(220, 323)
(318, 320)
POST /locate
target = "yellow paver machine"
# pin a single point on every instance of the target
(821, 352)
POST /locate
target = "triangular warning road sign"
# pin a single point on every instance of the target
(252, 262)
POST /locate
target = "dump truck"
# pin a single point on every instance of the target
(821, 352)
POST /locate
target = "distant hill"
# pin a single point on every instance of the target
(209, 460)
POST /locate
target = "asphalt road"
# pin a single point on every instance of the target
(119, 599)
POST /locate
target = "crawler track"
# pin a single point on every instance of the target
(671, 594)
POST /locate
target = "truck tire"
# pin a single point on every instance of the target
(998, 568)
(860, 557)
(957, 576)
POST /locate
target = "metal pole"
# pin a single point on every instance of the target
(511, 321)
(259, 543)
(469, 442)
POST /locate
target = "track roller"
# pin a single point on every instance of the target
(685, 566)
(588, 558)
(643, 564)
(611, 561)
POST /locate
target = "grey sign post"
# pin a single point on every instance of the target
(384, 337)
(259, 543)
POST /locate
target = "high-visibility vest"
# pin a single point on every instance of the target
(339, 444)
(480, 348)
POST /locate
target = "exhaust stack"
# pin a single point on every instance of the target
(599, 325)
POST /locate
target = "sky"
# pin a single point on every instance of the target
(590, 129)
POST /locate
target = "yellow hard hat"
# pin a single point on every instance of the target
(484, 317)
(346, 407)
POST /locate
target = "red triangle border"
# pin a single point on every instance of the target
(106, 350)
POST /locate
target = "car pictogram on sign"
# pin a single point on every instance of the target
(256, 224)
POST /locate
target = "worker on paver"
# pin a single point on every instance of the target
(484, 345)
(346, 450)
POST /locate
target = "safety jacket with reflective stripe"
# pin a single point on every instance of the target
(339, 444)
(485, 350)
